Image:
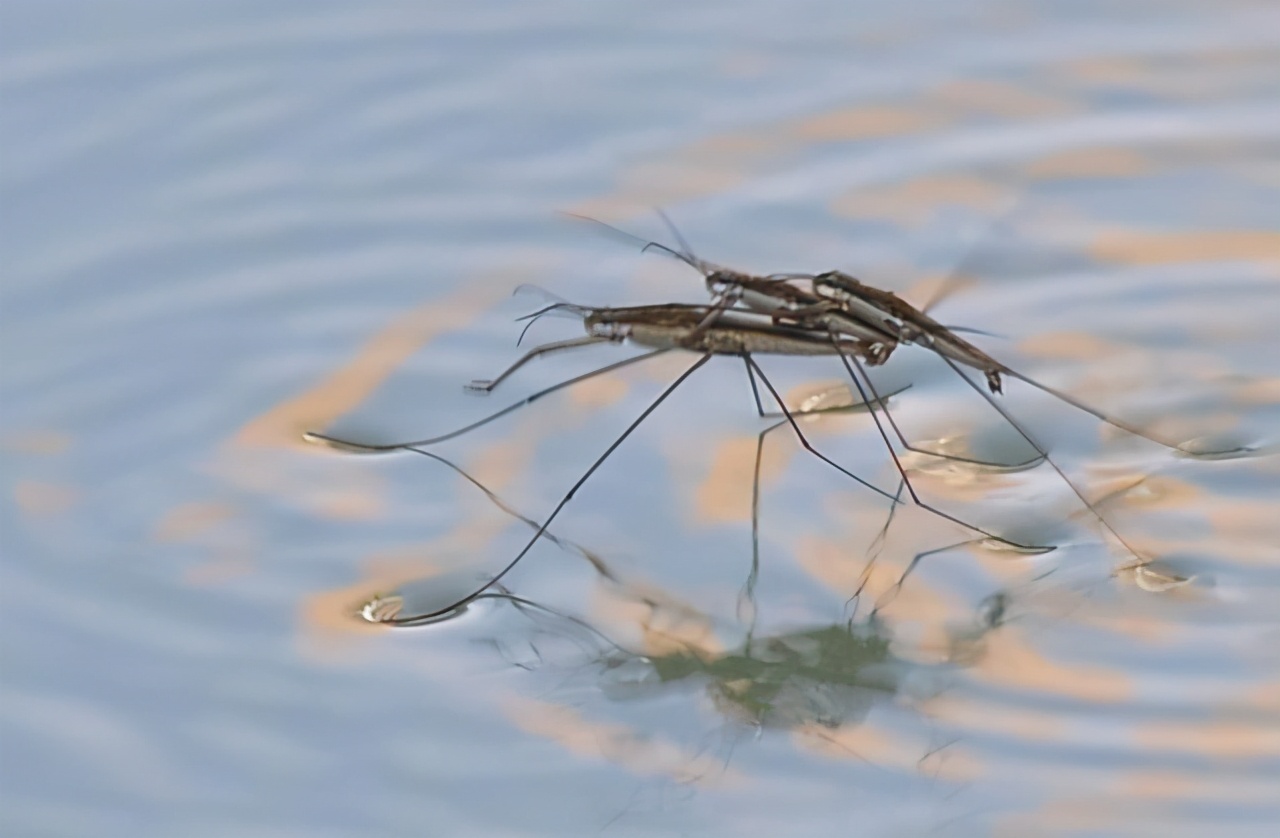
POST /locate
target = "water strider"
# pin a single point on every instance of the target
(836, 315)
(841, 305)
(950, 348)
(788, 305)
(872, 314)
(663, 328)
(915, 326)
(677, 326)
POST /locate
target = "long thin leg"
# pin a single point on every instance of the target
(1111, 420)
(487, 385)
(804, 441)
(361, 448)
(902, 439)
(911, 489)
(1017, 426)
(573, 490)
(717, 308)
(755, 391)
(878, 543)
(873, 554)
(889, 595)
(592, 559)
(747, 599)
(999, 368)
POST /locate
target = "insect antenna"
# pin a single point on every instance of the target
(530, 288)
(554, 308)
(689, 258)
(645, 243)
(659, 246)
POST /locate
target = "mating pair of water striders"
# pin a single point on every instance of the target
(831, 314)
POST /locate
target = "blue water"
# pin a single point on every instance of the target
(226, 224)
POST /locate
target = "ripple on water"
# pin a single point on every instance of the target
(229, 226)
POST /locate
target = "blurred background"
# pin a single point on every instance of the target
(226, 224)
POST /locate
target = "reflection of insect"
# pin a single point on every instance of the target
(829, 675)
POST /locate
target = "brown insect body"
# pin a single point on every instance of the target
(915, 325)
(676, 326)
(791, 306)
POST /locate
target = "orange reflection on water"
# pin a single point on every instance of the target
(328, 620)
(1263, 697)
(642, 754)
(997, 98)
(1219, 740)
(1212, 72)
(360, 495)
(655, 184)
(917, 200)
(1101, 162)
(1234, 527)
(1208, 785)
(191, 520)
(1109, 70)
(1158, 491)
(657, 621)
(864, 122)
(1071, 346)
(1253, 527)
(1093, 814)
(41, 498)
(886, 750)
(717, 164)
(1142, 247)
(1260, 391)
(725, 495)
(220, 532)
(971, 715)
(1013, 661)
(843, 565)
(353, 382)
(600, 392)
(43, 441)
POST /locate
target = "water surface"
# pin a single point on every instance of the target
(227, 224)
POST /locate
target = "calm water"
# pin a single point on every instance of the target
(225, 224)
